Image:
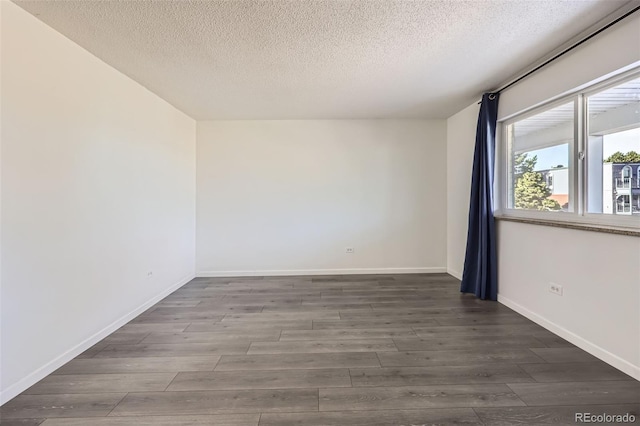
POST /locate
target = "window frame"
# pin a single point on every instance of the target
(506, 166)
(578, 161)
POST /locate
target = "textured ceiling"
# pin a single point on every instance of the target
(320, 59)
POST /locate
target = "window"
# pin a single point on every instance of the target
(623, 204)
(577, 158)
(613, 147)
(539, 148)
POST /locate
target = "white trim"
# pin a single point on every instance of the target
(592, 348)
(40, 373)
(578, 213)
(352, 271)
(455, 274)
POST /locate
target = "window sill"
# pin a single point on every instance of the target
(630, 232)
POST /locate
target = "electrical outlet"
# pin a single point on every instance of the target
(349, 250)
(555, 289)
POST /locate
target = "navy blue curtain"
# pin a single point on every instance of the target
(480, 274)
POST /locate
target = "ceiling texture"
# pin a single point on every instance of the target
(320, 59)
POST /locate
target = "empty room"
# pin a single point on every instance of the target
(319, 212)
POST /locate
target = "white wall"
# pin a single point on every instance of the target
(287, 197)
(600, 308)
(98, 189)
(461, 136)
(616, 48)
(600, 274)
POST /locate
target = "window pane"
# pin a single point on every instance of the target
(539, 154)
(613, 150)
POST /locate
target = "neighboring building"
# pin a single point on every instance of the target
(621, 188)
(557, 180)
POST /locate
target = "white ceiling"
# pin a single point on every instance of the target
(250, 59)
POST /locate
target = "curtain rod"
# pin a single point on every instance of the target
(565, 51)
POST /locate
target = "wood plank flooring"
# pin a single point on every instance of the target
(368, 350)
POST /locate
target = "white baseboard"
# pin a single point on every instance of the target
(593, 349)
(353, 271)
(454, 273)
(34, 377)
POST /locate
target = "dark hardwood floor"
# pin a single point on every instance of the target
(335, 350)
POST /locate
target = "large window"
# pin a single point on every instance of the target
(577, 158)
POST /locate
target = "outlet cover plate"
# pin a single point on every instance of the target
(555, 289)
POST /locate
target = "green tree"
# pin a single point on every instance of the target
(532, 193)
(619, 157)
(522, 164)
